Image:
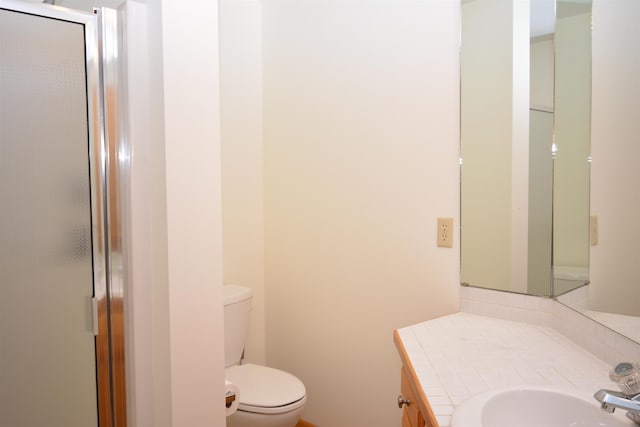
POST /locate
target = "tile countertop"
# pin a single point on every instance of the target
(463, 354)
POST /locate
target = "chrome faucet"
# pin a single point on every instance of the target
(610, 400)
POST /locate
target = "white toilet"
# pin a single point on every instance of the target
(268, 397)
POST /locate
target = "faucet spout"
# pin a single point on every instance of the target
(610, 400)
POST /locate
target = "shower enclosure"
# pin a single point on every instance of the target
(61, 275)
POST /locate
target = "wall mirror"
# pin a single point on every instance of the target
(613, 295)
(525, 80)
(549, 197)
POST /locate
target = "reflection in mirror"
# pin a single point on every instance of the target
(613, 296)
(506, 137)
(541, 120)
(572, 145)
(595, 126)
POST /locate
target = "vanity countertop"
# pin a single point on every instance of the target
(460, 355)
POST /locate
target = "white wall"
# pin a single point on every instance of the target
(147, 346)
(242, 180)
(176, 327)
(361, 147)
(615, 150)
(194, 230)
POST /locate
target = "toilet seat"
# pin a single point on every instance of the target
(266, 390)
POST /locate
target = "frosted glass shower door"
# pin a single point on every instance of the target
(47, 345)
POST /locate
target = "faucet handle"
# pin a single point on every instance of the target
(627, 376)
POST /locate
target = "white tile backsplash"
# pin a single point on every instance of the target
(577, 298)
(600, 341)
(506, 305)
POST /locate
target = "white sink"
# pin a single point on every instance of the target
(534, 407)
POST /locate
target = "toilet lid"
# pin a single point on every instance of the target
(261, 386)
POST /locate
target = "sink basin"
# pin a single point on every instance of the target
(534, 407)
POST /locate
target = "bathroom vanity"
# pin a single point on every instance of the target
(417, 411)
(450, 359)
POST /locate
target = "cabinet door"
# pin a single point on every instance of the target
(406, 422)
(411, 414)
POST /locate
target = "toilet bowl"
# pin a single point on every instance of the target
(268, 397)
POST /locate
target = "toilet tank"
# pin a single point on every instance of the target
(237, 314)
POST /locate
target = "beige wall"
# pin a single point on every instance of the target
(540, 202)
(487, 124)
(615, 149)
(542, 73)
(242, 169)
(360, 148)
(540, 165)
(572, 136)
(520, 148)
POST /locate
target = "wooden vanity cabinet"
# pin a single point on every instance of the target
(416, 412)
(411, 413)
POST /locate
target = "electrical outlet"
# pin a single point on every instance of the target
(445, 232)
